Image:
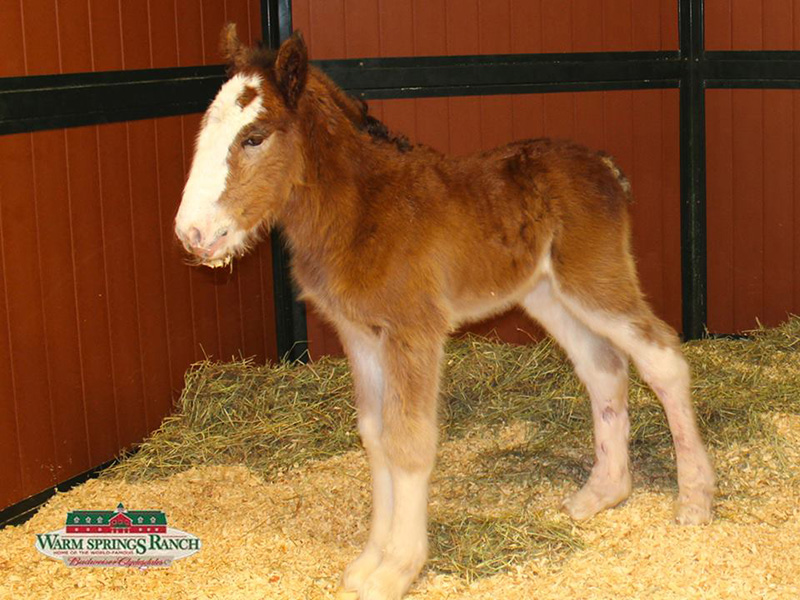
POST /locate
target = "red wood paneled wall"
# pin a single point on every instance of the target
(752, 24)
(42, 37)
(753, 150)
(640, 128)
(369, 28)
(99, 315)
(753, 157)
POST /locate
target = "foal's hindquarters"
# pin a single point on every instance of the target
(594, 309)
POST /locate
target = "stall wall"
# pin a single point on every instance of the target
(753, 157)
(753, 151)
(752, 24)
(370, 28)
(99, 314)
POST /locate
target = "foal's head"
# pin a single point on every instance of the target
(248, 151)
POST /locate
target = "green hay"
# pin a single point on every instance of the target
(270, 418)
(475, 546)
(274, 418)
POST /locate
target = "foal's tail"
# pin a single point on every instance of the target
(623, 181)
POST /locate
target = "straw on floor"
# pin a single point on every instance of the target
(263, 463)
(273, 418)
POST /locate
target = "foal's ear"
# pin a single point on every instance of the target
(291, 69)
(231, 47)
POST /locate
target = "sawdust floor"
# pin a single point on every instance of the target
(291, 538)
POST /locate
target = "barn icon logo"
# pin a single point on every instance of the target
(117, 538)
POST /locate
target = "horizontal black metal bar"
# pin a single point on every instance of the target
(753, 55)
(54, 101)
(522, 88)
(750, 69)
(449, 74)
(23, 510)
(493, 59)
(728, 336)
(96, 78)
(754, 84)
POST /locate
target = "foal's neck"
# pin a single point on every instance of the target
(340, 161)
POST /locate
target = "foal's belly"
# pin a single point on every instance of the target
(468, 308)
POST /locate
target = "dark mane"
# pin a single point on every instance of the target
(357, 112)
(377, 129)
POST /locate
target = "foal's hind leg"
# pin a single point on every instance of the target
(654, 348)
(604, 372)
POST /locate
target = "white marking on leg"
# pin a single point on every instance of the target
(604, 373)
(665, 370)
(409, 538)
(408, 547)
(364, 354)
(409, 438)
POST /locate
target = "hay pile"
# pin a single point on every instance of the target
(517, 437)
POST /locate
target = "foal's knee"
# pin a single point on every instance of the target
(370, 429)
(666, 369)
(410, 441)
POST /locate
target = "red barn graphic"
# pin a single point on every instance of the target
(120, 520)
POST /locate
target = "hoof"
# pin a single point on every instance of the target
(393, 577)
(385, 584)
(359, 570)
(592, 498)
(694, 511)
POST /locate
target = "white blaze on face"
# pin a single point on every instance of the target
(207, 178)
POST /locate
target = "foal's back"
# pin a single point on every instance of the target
(487, 225)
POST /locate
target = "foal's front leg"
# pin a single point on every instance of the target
(409, 441)
(408, 444)
(364, 353)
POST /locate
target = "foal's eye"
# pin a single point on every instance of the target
(253, 141)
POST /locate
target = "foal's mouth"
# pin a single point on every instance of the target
(217, 263)
(194, 260)
(232, 244)
(215, 260)
(212, 260)
(215, 256)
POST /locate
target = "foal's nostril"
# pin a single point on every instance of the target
(194, 237)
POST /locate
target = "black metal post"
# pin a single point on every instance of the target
(290, 313)
(693, 169)
(270, 31)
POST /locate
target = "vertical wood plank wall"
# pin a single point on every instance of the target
(99, 315)
(753, 151)
(640, 128)
(371, 28)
